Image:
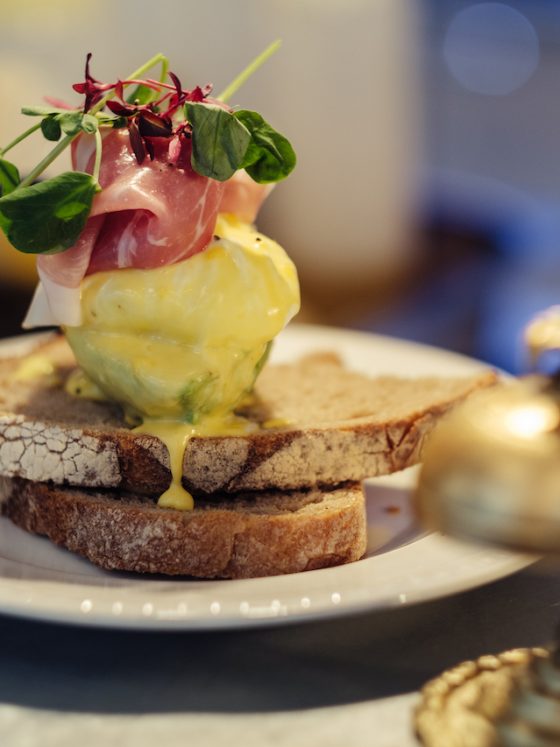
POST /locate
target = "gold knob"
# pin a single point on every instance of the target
(542, 335)
(491, 470)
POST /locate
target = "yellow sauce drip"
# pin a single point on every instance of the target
(176, 436)
(78, 384)
(35, 367)
(275, 423)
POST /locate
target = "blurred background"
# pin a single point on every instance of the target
(426, 202)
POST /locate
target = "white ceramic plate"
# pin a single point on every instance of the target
(402, 566)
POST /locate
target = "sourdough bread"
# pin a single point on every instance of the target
(252, 535)
(332, 426)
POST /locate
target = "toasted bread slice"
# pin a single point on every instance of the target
(261, 534)
(332, 425)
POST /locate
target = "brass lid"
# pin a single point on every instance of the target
(491, 470)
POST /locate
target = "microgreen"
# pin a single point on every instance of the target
(269, 157)
(92, 89)
(142, 94)
(187, 124)
(224, 142)
(50, 127)
(42, 111)
(219, 140)
(48, 217)
(9, 177)
(251, 68)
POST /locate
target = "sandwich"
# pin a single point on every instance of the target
(153, 437)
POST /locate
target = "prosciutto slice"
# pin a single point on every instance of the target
(146, 215)
(243, 197)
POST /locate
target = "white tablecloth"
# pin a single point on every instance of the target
(379, 723)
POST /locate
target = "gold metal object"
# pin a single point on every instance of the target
(466, 705)
(491, 473)
(543, 335)
(491, 470)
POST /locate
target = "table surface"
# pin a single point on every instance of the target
(312, 683)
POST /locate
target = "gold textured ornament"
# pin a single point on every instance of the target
(464, 706)
(491, 473)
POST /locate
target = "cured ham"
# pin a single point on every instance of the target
(243, 197)
(146, 215)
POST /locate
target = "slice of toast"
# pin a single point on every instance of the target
(338, 426)
(261, 534)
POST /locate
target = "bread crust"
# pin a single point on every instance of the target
(244, 537)
(339, 426)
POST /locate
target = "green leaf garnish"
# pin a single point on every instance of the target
(9, 177)
(50, 127)
(71, 122)
(48, 217)
(41, 111)
(250, 70)
(89, 124)
(142, 95)
(269, 157)
(224, 142)
(219, 140)
(145, 94)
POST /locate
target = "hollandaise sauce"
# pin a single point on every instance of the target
(180, 346)
(176, 436)
(186, 340)
(34, 367)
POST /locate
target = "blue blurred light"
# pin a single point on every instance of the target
(491, 48)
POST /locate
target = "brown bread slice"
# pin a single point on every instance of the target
(339, 426)
(242, 537)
